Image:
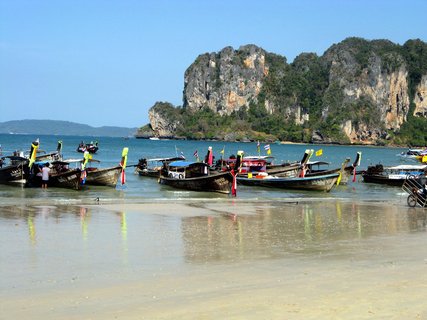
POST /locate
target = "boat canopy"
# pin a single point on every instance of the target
(14, 158)
(317, 163)
(68, 161)
(408, 167)
(166, 159)
(187, 164)
(258, 158)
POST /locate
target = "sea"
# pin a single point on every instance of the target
(137, 189)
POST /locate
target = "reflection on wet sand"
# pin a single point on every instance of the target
(124, 230)
(280, 231)
(213, 260)
(270, 231)
(84, 217)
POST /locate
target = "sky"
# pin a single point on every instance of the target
(107, 62)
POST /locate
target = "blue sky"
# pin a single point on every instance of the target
(107, 62)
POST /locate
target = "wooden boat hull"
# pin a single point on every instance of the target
(385, 179)
(216, 182)
(103, 177)
(149, 173)
(69, 179)
(315, 183)
(283, 170)
(13, 172)
(394, 176)
(49, 157)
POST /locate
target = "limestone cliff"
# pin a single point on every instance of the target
(420, 99)
(163, 122)
(358, 91)
(384, 89)
(225, 81)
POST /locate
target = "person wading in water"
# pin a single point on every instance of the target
(45, 175)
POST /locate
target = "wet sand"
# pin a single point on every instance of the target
(214, 260)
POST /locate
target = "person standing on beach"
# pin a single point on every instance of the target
(45, 175)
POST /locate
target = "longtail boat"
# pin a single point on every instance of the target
(91, 147)
(394, 176)
(51, 156)
(152, 167)
(103, 176)
(195, 176)
(321, 182)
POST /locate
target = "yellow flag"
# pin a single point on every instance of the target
(124, 157)
(424, 159)
(222, 151)
(33, 154)
(269, 151)
(319, 152)
(86, 157)
(339, 179)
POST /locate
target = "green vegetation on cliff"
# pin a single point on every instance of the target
(308, 98)
(414, 131)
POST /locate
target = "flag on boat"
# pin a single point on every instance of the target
(222, 151)
(258, 147)
(196, 154)
(319, 152)
(181, 153)
(267, 148)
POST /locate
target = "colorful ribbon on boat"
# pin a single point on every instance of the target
(86, 157)
(234, 184)
(83, 176)
(209, 156)
(339, 178)
(123, 165)
(356, 164)
(59, 146)
(307, 155)
(33, 153)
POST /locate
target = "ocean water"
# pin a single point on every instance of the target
(139, 188)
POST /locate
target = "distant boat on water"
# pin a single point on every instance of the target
(91, 147)
(411, 154)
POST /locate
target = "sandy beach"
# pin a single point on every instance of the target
(210, 259)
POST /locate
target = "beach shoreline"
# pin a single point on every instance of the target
(210, 259)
